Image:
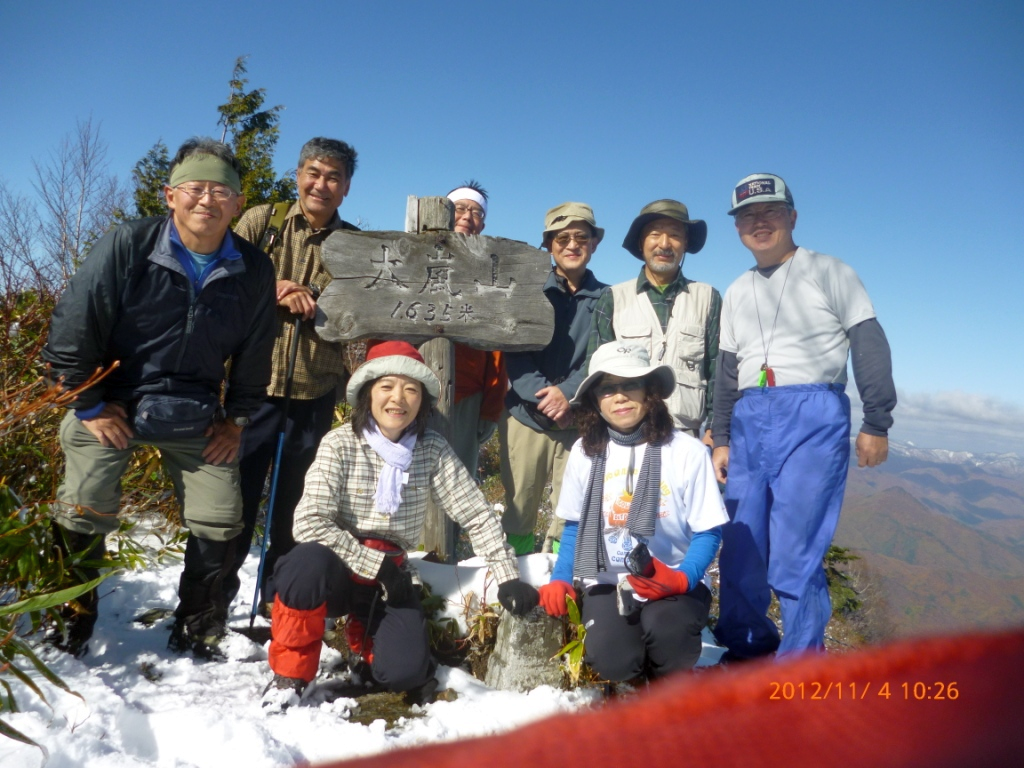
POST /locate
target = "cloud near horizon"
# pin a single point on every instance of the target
(958, 421)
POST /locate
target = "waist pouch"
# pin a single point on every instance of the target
(382, 545)
(544, 422)
(164, 417)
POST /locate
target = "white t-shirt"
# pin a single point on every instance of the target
(823, 298)
(690, 500)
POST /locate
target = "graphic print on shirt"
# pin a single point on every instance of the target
(615, 505)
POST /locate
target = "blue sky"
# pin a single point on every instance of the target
(897, 124)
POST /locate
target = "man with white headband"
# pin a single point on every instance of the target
(168, 300)
(480, 378)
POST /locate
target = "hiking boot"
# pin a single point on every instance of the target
(75, 635)
(200, 622)
(422, 695)
(282, 692)
(77, 617)
(730, 659)
(203, 644)
(361, 673)
(282, 683)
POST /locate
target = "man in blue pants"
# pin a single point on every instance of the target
(782, 422)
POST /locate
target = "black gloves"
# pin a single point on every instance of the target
(517, 597)
(396, 582)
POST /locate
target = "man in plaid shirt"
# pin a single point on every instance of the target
(323, 177)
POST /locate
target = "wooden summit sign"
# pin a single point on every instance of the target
(433, 286)
(486, 292)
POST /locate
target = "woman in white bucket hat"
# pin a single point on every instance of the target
(643, 515)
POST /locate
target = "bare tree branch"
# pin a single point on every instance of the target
(80, 199)
(19, 230)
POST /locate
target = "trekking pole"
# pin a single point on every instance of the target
(292, 354)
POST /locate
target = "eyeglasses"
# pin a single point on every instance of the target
(566, 237)
(767, 214)
(627, 387)
(197, 193)
(462, 210)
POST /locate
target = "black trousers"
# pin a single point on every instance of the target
(312, 574)
(308, 422)
(660, 637)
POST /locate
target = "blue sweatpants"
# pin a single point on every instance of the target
(788, 456)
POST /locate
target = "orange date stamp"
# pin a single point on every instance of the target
(861, 691)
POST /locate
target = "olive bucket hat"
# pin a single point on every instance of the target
(696, 229)
(561, 216)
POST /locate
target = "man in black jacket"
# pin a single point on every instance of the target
(170, 300)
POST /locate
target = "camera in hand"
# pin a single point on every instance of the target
(639, 561)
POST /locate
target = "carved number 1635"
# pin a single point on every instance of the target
(429, 312)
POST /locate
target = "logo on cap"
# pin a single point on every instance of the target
(754, 188)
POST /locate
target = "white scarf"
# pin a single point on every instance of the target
(397, 458)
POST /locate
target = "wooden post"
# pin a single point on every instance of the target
(439, 533)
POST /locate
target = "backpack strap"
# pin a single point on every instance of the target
(278, 213)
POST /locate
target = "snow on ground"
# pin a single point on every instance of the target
(142, 705)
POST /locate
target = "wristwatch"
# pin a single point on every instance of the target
(240, 421)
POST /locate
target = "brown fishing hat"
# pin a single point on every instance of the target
(696, 229)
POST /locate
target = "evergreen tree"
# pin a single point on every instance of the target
(150, 174)
(252, 132)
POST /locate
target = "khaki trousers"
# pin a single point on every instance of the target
(528, 459)
(211, 502)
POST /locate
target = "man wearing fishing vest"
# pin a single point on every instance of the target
(676, 319)
(323, 178)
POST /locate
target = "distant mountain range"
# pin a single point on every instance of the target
(941, 538)
(1002, 464)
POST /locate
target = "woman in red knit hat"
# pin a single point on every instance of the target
(364, 505)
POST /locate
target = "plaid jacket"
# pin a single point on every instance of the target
(338, 504)
(319, 365)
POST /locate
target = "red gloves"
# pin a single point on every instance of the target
(552, 597)
(664, 583)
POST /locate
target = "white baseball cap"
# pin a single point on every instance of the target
(760, 188)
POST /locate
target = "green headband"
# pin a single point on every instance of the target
(205, 168)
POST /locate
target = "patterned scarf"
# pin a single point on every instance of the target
(397, 458)
(590, 555)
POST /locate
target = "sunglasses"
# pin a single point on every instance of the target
(627, 387)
